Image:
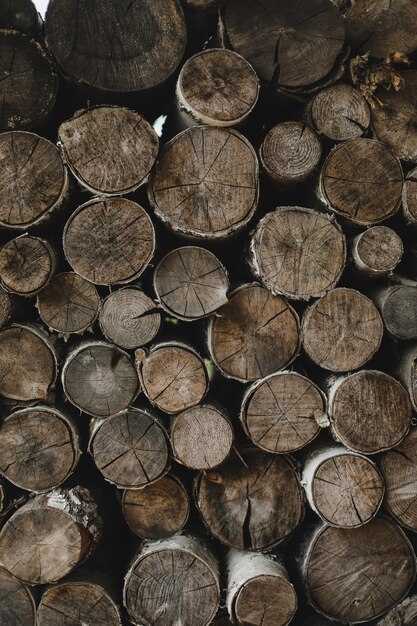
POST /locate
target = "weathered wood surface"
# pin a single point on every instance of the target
(26, 265)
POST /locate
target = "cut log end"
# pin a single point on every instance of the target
(398, 307)
(26, 265)
(17, 604)
(339, 113)
(377, 251)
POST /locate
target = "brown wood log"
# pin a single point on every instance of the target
(404, 614)
(343, 487)
(191, 283)
(290, 153)
(6, 308)
(377, 251)
(158, 510)
(69, 304)
(369, 411)
(26, 265)
(184, 586)
(409, 198)
(399, 468)
(30, 83)
(289, 44)
(17, 606)
(259, 590)
(50, 535)
(342, 330)
(216, 87)
(129, 318)
(33, 179)
(255, 334)
(222, 171)
(99, 379)
(283, 412)
(117, 47)
(253, 502)
(397, 305)
(394, 118)
(28, 363)
(201, 437)
(348, 573)
(173, 376)
(20, 15)
(339, 112)
(110, 150)
(406, 370)
(39, 448)
(109, 241)
(362, 181)
(130, 449)
(298, 252)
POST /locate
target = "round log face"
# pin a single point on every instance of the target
(26, 265)
(340, 112)
(77, 603)
(342, 330)
(217, 87)
(399, 312)
(253, 506)
(370, 411)
(109, 241)
(38, 448)
(33, 178)
(279, 414)
(378, 250)
(302, 39)
(191, 282)
(216, 193)
(30, 83)
(20, 15)
(110, 150)
(17, 606)
(156, 511)
(362, 181)
(298, 252)
(100, 379)
(130, 449)
(117, 47)
(348, 573)
(266, 599)
(409, 197)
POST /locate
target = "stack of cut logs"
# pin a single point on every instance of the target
(208, 313)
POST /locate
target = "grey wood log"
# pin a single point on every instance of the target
(17, 607)
(377, 251)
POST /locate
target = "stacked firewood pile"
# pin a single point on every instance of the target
(208, 313)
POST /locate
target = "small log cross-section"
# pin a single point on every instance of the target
(362, 180)
(369, 411)
(173, 376)
(254, 335)
(398, 307)
(130, 449)
(183, 588)
(377, 251)
(17, 606)
(69, 304)
(399, 468)
(348, 573)
(50, 535)
(201, 437)
(33, 179)
(109, 241)
(38, 448)
(339, 112)
(191, 283)
(290, 153)
(290, 43)
(129, 318)
(406, 371)
(216, 87)
(254, 504)
(206, 182)
(28, 365)
(343, 487)
(29, 83)
(342, 330)
(298, 252)
(282, 412)
(409, 198)
(110, 150)
(158, 510)
(99, 379)
(259, 591)
(26, 265)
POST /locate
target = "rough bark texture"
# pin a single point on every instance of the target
(191, 283)
(221, 171)
(339, 112)
(158, 510)
(110, 150)
(254, 504)
(404, 614)
(26, 265)
(377, 251)
(398, 307)
(6, 308)
(17, 606)
(298, 252)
